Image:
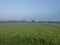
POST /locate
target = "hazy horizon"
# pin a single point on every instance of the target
(41, 10)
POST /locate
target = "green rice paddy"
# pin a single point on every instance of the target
(29, 33)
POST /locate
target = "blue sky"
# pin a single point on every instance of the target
(43, 10)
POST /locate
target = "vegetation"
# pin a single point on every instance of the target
(29, 33)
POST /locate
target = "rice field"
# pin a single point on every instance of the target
(29, 33)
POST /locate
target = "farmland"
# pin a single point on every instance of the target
(29, 33)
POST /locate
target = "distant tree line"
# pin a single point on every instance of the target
(9, 21)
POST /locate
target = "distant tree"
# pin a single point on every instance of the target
(23, 21)
(33, 20)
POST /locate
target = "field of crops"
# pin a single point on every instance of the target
(29, 34)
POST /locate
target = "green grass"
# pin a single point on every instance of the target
(29, 34)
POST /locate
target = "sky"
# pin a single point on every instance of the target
(40, 10)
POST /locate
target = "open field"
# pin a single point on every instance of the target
(29, 33)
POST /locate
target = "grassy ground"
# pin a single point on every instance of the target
(29, 34)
